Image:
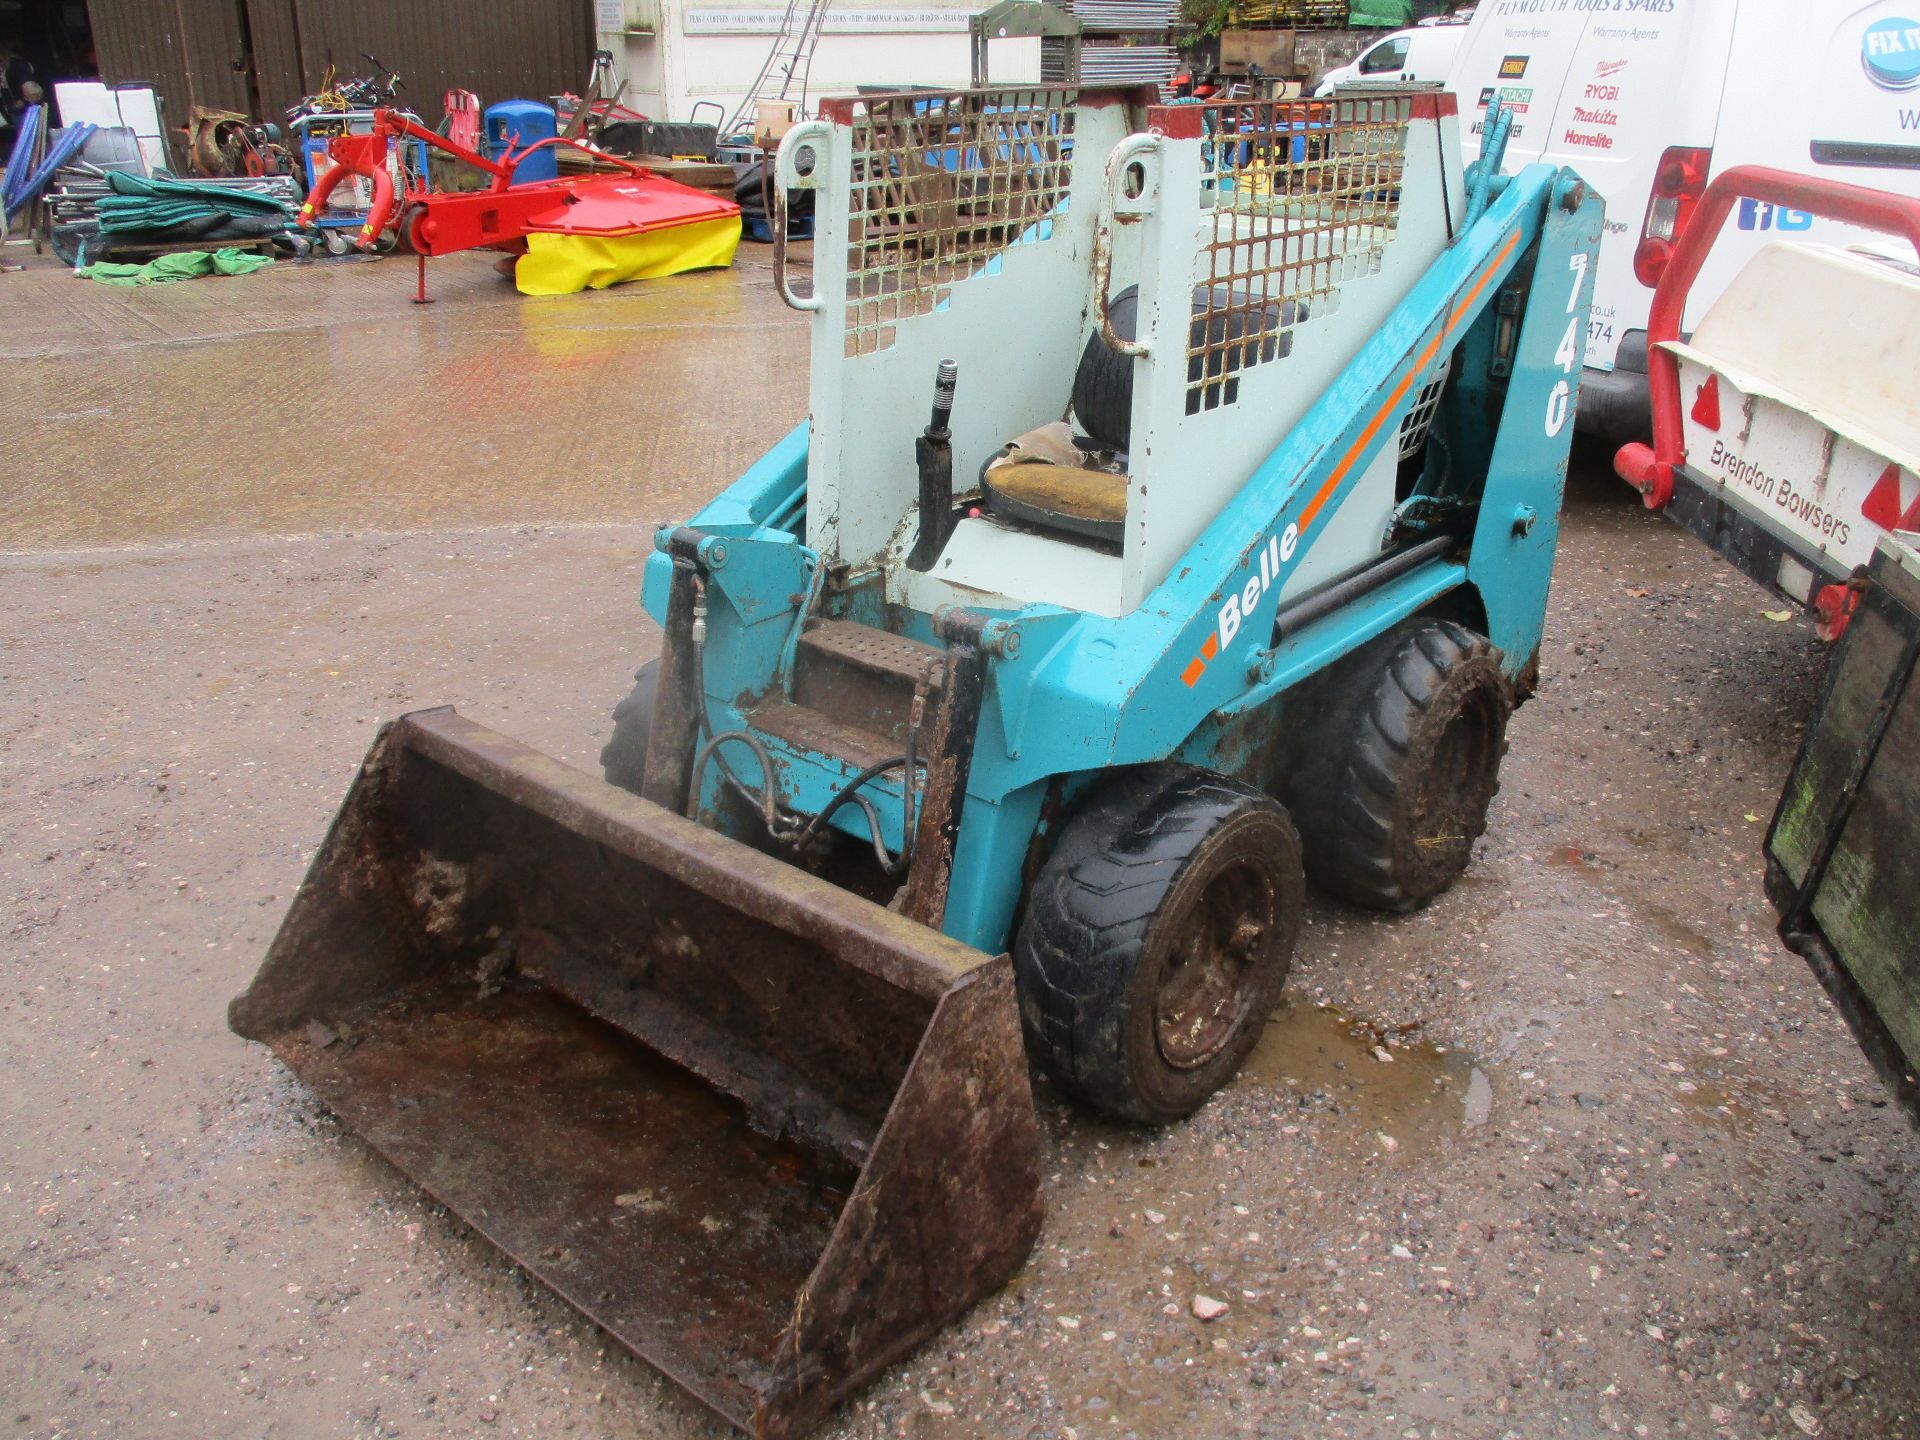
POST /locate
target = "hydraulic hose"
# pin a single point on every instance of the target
(762, 799)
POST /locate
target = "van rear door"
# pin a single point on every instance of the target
(1841, 100)
(1607, 92)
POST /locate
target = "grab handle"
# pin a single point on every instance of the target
(1133, 188)
(798, 165)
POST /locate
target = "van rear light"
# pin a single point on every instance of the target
(1678, 182)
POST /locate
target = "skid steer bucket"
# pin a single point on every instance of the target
(768, 1134)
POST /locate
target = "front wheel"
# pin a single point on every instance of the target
(1157, 940)
(623, 759)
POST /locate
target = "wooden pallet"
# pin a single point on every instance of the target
(1298, 14)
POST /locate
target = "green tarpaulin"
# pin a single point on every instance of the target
(1386, 14)
(186, 265)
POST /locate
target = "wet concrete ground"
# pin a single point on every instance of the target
(1579, 1150)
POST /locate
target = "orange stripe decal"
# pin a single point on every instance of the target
(1458, 315)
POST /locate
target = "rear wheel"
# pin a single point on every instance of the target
(1411, 763)
(623, 759)
(1157, 940)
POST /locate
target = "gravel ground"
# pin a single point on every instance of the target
(1578, 1150)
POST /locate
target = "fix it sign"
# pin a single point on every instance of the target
(1870, 88)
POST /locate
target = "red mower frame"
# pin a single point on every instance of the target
(504, 214)
(468, 221)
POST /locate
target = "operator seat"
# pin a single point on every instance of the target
(1073, 478)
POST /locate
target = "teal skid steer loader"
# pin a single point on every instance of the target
(1173, 522)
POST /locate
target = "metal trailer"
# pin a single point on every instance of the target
(1784, 434)
(1841, 862)
(1785, 437)
(975, 731)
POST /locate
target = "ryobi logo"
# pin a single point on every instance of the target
(1890, 53)
(1241, 604)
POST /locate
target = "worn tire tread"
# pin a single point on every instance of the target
(1088, 913)
(1377, 727)
(623, 759)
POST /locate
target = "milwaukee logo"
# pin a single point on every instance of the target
(1606, 69)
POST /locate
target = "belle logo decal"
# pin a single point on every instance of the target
(1890, 53)
(1275, 553)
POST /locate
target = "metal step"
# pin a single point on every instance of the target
(862, 679)
(811, 731)
(879, 651)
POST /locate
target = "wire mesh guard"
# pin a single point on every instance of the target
(1304, 196)
(1413, 430)
(941, 184)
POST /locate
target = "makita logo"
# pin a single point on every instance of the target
(1584, 116)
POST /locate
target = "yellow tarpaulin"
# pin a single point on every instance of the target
(567, 264)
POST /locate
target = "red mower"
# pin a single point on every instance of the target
(587, 230)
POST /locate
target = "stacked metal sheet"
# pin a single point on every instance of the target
(1126, 42)
(1127, 64)
(76, 199)
(1107, 17)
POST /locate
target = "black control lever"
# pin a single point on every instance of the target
(933, 452)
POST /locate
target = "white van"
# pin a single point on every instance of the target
(1648, 99)
(1424, 53)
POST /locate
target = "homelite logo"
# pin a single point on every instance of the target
(1890, 53)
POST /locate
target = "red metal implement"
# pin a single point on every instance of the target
(629, 203)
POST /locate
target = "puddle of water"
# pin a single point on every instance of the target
(1421, 1095)
(1681, 934)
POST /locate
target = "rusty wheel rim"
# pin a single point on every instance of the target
(1209, 985)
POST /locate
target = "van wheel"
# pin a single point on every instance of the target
(1157, 939)
(1416, 756)
(623, 759)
